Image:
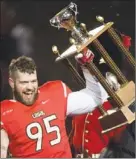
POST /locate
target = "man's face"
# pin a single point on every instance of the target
(25, 87)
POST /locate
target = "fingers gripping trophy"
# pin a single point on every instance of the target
(123, 97)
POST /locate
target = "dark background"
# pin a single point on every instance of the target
(36, 14)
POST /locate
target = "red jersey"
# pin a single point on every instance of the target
(38, 130)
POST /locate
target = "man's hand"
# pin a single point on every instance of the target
(85, 57)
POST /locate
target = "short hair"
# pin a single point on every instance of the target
(23, 64)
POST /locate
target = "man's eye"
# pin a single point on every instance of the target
(34, 81)
(24, 82)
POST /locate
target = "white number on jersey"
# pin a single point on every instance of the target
(39, 135)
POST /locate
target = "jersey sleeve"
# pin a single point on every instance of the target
(66, 90)
(81, 102)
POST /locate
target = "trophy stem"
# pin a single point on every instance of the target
(93, 69)
(109, 61)
(76, 33)
(120, 45)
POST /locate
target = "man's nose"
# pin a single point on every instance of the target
(29, 86)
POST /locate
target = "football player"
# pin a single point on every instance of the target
(33, 122)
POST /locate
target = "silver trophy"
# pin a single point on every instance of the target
(123, 95)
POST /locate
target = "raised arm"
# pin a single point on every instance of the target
(86, 100)
(93, 95)
(4, 143)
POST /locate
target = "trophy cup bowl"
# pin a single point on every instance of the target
(66, 18)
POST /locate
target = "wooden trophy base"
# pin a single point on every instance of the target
(123, 115)
(117, 119)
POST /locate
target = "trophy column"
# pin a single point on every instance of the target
(119, 44)
(125, 96)
(98, 46)
(109, 61)
(117, 41)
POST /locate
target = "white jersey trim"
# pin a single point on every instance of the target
(65, 89)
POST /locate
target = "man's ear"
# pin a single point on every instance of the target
(11, 83)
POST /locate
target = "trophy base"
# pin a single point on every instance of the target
(120, 116)
(127, 93)
(117, 119)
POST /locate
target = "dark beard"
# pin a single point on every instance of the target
(19, 98)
